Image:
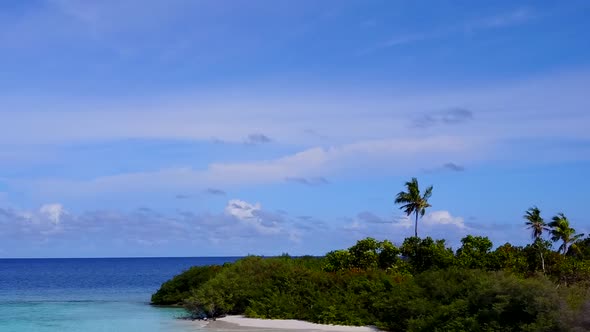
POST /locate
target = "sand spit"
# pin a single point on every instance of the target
(241, 322)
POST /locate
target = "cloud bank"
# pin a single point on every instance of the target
(241, 227)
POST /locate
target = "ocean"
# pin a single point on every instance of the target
(101, 294)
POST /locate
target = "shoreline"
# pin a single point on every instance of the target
(241, 322)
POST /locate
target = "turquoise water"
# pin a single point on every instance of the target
(90, 294)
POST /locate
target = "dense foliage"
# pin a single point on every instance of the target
(422, 285)
(177, 289)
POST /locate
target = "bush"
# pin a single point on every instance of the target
(474, 252)
(287, 289)
(425, 254)
(366, 254)
(177, 289)
(472, 300)
(422, 286)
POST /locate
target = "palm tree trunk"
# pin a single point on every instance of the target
(416, 225)
(542, 261)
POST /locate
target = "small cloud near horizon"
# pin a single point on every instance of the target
(314, 181)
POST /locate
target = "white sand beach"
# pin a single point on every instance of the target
(283, 324)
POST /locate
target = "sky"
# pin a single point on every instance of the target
(212, 128)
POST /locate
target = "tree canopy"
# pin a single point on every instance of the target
(420, 285)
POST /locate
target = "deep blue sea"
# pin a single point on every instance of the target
(102, 294)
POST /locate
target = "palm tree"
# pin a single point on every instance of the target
(561, 231)
(537, 225)
(535, 222)
(413, 202)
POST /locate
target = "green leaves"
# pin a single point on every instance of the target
(471, 300)
(535, 222)
(366, 254)
(473, 254)
(338, 260)
(421, 286)
(177, 289)
(413, 202)
(561, 231)
(425, 254)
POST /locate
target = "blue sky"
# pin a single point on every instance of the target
(194, 128)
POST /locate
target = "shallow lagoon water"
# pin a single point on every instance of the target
(110, 294)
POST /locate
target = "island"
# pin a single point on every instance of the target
(420, 285)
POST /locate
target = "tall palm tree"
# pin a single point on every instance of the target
(535, 222)
(413, 202)
(537, 225)
(561, 231)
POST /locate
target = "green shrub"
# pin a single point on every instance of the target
(421, 286)
(425, 254)
(472, 300)
(177, 289)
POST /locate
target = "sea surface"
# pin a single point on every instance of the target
(101, 294)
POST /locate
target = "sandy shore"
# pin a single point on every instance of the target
(233, 322)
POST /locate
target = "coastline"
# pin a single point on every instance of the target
(240, 322)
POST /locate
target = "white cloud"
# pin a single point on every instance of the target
(240, 228)
(443, 218)
(342, 115)
(432, 219)
(438, 224)
(241, 209)
(251, 215)
(47, 221)
(315, 161)
(380, 155)
(404, 221)
(363, 131)
(53, 212)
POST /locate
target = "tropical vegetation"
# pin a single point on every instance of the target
(537, 225)
(561, 231)
(413, 201)
(420, 285)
